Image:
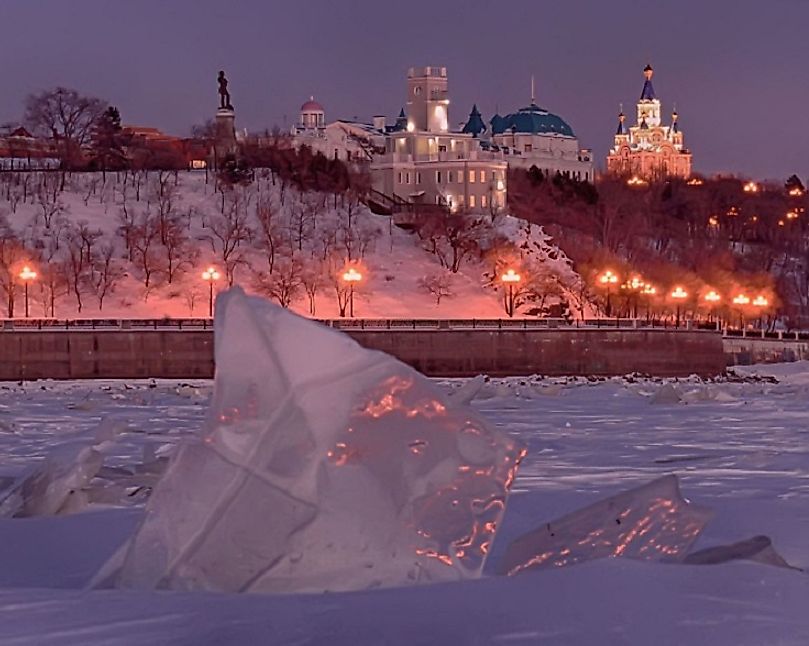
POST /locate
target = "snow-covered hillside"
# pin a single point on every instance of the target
(135, 245)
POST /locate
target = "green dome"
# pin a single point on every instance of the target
(531, 120)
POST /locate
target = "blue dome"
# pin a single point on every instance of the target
(531, 120)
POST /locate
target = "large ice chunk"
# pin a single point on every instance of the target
(651, 522)
(322, 467)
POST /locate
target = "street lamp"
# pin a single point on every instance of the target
(511, 277)
(648, 291)
(608, 279)
(741, 300)
(27, 275)
(211, 276)
(713, 298)
(351, 276)
(634, 285)
(679, 295)
(760, 302)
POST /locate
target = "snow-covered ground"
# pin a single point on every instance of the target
(308, 227)
(738, 446)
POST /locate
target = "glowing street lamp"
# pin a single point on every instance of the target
(634, 285)
(741, 300)
(211, 276)
(713, 298)
(760, 302)
(750, 187)
(510, 278)
(648, 291)
(27, 275)
(351, 276)
(608, 279)
(679, 295)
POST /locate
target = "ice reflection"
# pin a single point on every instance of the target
(652, 522)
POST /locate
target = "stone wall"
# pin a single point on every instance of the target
(743, 351)
(120, 354)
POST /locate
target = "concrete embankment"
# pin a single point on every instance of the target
(129, 354)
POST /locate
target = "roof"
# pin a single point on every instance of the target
(312, 106)
(475, 125)
(648, 92)
(531, 119)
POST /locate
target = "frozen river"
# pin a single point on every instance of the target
(739, 447)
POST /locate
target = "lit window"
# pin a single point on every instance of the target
(483, 201)
(482, 176)
(471, 201)
(471, 177)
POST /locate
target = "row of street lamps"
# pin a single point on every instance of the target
(637, 286)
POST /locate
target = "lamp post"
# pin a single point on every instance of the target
(713, 298)
(760, 302)
(351, 276)
(510, 278)
(211, 276)
(633, 286)
(27, 275)
(741, 300)
(679, 295)
(648, 291)
(608, 279)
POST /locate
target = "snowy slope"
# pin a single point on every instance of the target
(393, 263)
(741, 448)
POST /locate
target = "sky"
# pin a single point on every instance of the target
(738, 70)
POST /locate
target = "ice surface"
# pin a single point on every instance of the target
(652, 522)
(758, 548)
(322, 467)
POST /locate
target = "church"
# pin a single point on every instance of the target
(649, 150)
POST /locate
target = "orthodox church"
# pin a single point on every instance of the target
(649, 149)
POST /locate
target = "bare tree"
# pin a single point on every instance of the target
(79, 246)
(66, 117)
(144, 240)
(48, 198)
(438, 285)
(226, 233)
(313, 281)
(179, 252)
(284, 284)
(269, 229)
(451, 237)
(12, 253)
(106, 272)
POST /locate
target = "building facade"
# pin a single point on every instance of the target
(649, 149)
(424, 162)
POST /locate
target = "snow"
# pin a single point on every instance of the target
(743, 454)
(393, 264)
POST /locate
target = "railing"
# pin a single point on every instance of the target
(196, 324)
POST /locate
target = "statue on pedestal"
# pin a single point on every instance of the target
(224, 95)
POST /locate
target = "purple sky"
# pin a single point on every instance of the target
(738, 70)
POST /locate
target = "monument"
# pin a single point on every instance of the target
(225, 138)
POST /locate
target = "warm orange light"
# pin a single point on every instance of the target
(608, 278)
(635, 181)
(679, 293)
(780, 223)
(760, 301)
(511, 276)
(695, 181)
(649, 290)
(712, 297)
(741, 299)
(211, 274)
(751, 187)
(713, 221)
(27, 273)
(795, 192)
(791, 215)
(352, 275)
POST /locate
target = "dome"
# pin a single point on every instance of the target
(531, 120)
(312, 106)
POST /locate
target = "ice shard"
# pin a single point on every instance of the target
(651, 522)
(322, 466)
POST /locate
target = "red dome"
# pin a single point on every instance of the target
(312, 106)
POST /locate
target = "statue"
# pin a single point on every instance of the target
(224, 95)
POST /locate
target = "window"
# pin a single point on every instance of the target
(460, 177)
(450, 177)
(528, 148)
(482, 176)
(461, 200)
(400, 177)
(471, 177)
(418, 177)
(408, 177)
(438, 177)
(442, 149)
(471, 201)
(483, 201)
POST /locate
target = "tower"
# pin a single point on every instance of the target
(427, 99)
(648, 104)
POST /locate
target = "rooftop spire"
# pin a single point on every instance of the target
(533, 96)
(648, 92)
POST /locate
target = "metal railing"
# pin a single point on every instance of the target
(196, 324)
